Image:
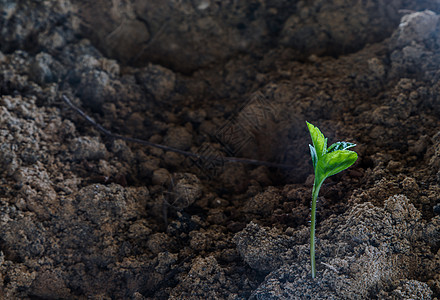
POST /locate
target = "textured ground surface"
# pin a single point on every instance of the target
(83, 216)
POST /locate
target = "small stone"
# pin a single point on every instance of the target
(178, 137)
(40, 70)
(161, 177)
(187, 189)
(158, 81)
(88, 148)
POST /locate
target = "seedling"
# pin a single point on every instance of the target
(326, 162)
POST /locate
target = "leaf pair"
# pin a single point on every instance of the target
(332, 160)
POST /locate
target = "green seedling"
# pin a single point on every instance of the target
(326, 162)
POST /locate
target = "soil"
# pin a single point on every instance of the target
(87, 216)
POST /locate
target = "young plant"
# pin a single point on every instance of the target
(326, 162)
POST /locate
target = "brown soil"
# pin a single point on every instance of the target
(87, 216)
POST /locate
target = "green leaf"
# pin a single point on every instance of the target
(336, 161)
(340, 146)
(332, 160)
(318, 139)
(314, 156)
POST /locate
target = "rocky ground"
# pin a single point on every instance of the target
(87, 216)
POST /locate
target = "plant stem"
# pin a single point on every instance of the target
(315, 192)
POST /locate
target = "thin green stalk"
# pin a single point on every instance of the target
(315, 192)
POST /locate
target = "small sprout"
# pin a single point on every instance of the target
(326, 162)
